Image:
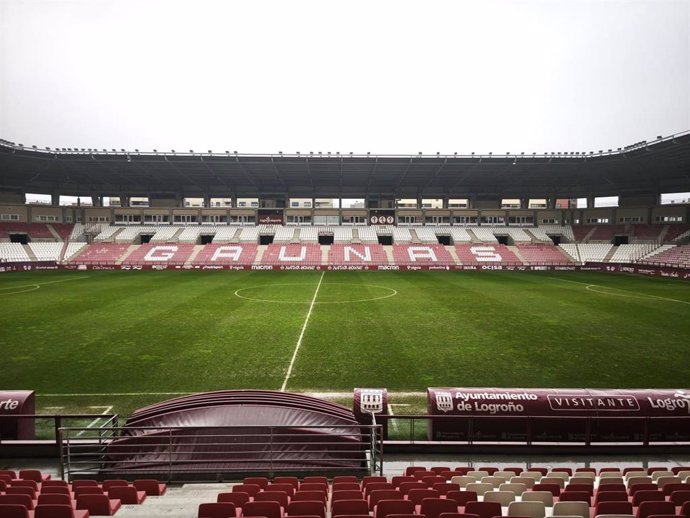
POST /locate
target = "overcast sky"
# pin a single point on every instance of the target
(261, 76)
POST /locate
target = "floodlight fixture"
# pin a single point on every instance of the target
(210, 152)
(191, 151)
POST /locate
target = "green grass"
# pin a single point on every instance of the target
(186, 331)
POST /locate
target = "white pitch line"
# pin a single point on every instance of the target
(394, 423)
(95, 421)
(626, 293)
(301, 335)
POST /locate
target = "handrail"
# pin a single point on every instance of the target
(58, 420)
(471, 421)
(173, 452)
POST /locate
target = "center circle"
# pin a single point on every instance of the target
(329, 293)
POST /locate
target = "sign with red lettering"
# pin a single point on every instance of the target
(557, 414)
(17, 402)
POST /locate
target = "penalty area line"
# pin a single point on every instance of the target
(301, 335)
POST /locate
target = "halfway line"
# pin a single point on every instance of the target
(301, 335)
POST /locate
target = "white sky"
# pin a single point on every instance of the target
(376, 75)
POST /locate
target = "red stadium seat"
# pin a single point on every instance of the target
(262, 482)
(24, 500)
(238, 499)
(273, 496)
(58, 511)
(649, 508)
(127, 495)
(351, 494)
(618, 507)
(98, 504)
(385, 508)
(307, 507)
(462, 497)
(484, 509)
(216, 510)
(349, 507)
(150, 486)
(13, 511)
(266, 509)
(433, 507)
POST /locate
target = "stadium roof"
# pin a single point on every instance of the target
(644, 168)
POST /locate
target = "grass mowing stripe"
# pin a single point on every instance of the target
(301, 335)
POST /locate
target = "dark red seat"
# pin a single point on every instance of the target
(554, 489)
(150, 486)
(24, 500)
(433, 507)
(484, 509)
(575, 496)
(611, 496)
(262, 482)
(13, 511)
(649, 508)
(304, 496)
(266, 509)
(346, 486)
(239, 499)
(250, 489)
(56, 490)
(55, 499)
(344, 478)
(315, 479)
(287, 488)
(648, 496)
(679, 497)
(618, 507)
(273, 496)
(26, 483)
(59, 511)
(33, 474)
(417, 495)
(349, 507)
(127, 495)
(98, 504)
(293, 481)
(313, 486)
(383, 494)
(307, 507)
(216, 510)
(461, 498)
(108, 484)
(21, 490)
(351, 494)
(387, 507)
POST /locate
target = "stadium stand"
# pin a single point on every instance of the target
(100, 253)
(401, 235)
(129, 234)
(248, 234)
(516, 234)
(227, 235)
(77, 234)
(341, 254)
(483, 234)
(309, 234)
(165, 235)
(64, 230)
(565, 231)
(191, 234)
(647, 233)
(46, 251)
(543, 254)
(367, 234)
(33, 230)
(13, 252)
(174, 254)
(284, 234)
(427, 234)
(539, 234)
(676, 256)
(342, 234)
(421, 254)
(292, 254)
(631, 253)
(107, 234)
(480, 254)
(593, 252)
(460, 235)
(677, 232)
(217, 253)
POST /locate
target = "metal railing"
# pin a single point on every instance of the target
(47, 426)
(219, 452)
(534, 430)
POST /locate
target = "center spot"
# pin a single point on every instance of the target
(330, 293)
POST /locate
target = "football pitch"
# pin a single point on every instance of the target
(112, 341)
